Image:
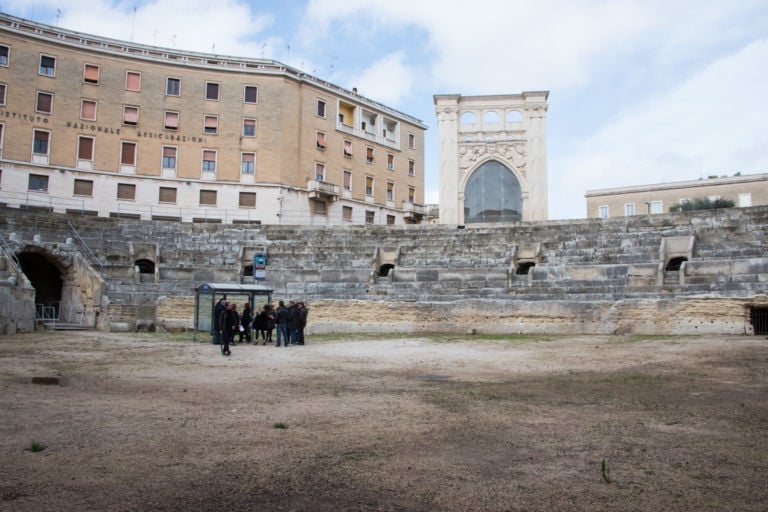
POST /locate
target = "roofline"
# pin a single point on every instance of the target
(174, 57)
(703, 182)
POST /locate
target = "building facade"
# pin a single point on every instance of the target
(747, 190)
(111, 128)
(493, 157)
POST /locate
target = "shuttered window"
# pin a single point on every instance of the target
(171, 120)
(126, 191)
(247, 199)
(131, 116)
(44, 102)
(208, 197)
(128, 153)
(133, 81)
(85, 148)
(88, 110)
(84, 188)
(91, 74)
(167, 195)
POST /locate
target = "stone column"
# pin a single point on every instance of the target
(446, 106)
(536, 120)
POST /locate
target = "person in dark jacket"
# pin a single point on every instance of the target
(228, 322)
(217, 310)
(281, 319)
(292, 322)
(270, 322)
(260, 324)
(245, 321)
(303, 313)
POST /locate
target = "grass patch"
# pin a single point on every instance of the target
(280, 426)
(35, 447)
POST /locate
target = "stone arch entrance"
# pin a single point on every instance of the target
(46, 278)
(493, 194)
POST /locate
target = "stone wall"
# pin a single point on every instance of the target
(582, 276)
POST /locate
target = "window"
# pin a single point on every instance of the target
(133, 81)
(369, 185)
(348, 148)
(5, 53)
(126, 191)
(85, 148)
(247, 199)
(347, 180)
(47, 65)
(167, 195)
(629, 209)
(211, 125)
(656, 207)
(91, 74)
(390, 191)
(3, 88)
(83, 188)
(169, 157)
(40, 144)
(411, 168)
(171, 121)
(369, 216)
(38, 182)
(411, 141)
(2, 128)
(320, 138)
(128, 153)
(209, 160)
(320, 208)
(320, 108)
(131, 116)
(212, 91)
(44, 103)
(248, 163)
(390, 161)
(411, 195)
(390, 219)
(251, 94)
(249, 127)
(319, 172)
(603, 212)
(173, 87)
(369, 155)
(88, 110)
(346, 213)
(207, 198)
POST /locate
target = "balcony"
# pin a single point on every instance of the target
(413, 211)
(322, 190)
(384, 137)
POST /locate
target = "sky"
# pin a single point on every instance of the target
(640, 91)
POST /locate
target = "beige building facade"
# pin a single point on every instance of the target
(112, 128)
(746, 190)
(492, 157)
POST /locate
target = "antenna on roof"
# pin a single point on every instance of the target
(58, 16)
(133, 23)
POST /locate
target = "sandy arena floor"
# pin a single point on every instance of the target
(142, 422)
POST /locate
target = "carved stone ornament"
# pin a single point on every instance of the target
(470, 154)
(446, 114)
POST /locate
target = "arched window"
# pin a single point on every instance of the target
(384, 269)
(145, 266)
(514, 116)
(468, 118)
(675, 263)
(492, 194)
(491, 117)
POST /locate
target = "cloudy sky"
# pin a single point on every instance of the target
(641, 91)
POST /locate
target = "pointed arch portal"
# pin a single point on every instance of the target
(492, 194)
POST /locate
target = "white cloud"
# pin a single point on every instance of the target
(387, 80)
(714, 122)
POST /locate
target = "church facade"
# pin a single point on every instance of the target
(493, 157)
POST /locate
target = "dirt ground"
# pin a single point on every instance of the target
(142, 422)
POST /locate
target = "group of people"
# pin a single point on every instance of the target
(289, 321)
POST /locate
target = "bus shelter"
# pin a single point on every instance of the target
(208, 294)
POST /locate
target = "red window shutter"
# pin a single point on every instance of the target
(85, 148)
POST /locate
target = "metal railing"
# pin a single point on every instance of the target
(94, 261)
